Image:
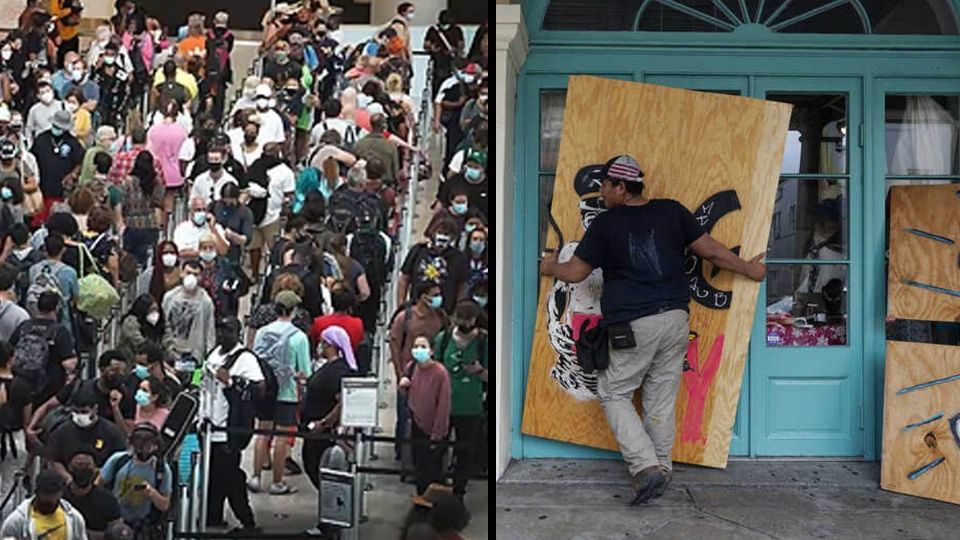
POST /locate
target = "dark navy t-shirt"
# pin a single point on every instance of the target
(641, 250)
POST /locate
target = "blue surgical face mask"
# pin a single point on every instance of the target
(208, 255)
(420, 354)
(6, 193)
(472, 174)
(460, 208)
(477, 247)
(56, 131)
(142, 397)
(470, 227)
(141, 371)
(436, 301)
(199, 218)
(481, 301)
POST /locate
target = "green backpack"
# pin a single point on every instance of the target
(96, 296)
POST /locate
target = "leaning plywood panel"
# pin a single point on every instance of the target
(921, 410)
(719, 156)
(924, 278)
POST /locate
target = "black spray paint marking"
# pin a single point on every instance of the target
(707, 215)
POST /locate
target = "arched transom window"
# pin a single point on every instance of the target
(930, 17)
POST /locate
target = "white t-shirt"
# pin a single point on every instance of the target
(340, 125)
(213, 403)
(282, 182)
(245, 158)
(188, 150)
(208, 189)
(271, 127)
(187, 235)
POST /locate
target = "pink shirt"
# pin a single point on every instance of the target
(164, 141)
(429, 400)
(146, 47)
(158, 417)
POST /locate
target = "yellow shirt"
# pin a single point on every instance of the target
(186, 79)
(50, 527)
(82, 125)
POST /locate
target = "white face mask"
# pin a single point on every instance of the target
(46, 97)
(77, 75)
(109, 60)
(83, 420)
(153, 318)
(169, 259)
(72, 107)
(6, 54)
(263, 103)
(190, 282)
(272, 103)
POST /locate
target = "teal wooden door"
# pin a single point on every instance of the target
(735, 85)
(806, 358)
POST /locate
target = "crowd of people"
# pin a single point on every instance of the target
(246, 261)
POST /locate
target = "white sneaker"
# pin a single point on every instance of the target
(253, 484)
(282, 489)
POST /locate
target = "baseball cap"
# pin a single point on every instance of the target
(623, 168)
(288, 299)
(264, 90)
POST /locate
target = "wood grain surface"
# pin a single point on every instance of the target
(907, 449)
(691, 145)
(933, 210)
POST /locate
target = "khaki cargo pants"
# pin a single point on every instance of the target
(654, 367)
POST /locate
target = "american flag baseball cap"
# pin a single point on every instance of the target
(623, 168)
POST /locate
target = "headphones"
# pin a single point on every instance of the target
(145, 427)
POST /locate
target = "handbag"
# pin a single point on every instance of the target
(96, 296)
(593, 348)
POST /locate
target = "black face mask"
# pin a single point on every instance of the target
(227, 341)
(216, 166)
(83, 478)
(249, 138)
(114, 381)
(464, 329)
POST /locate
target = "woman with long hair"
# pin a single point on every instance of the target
(164, 141)
(143, 322)
(164, 274)
(354, 276)
(141, 212)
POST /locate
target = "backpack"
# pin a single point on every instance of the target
(270, 348)
(368, 248)
(33, 351)
(96, 296)
(342, 219)
(217, 63)
(22, 283)
(243, 402)
(45, 281)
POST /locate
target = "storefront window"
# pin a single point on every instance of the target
(785, 16)
(806, 304)
(809, 220)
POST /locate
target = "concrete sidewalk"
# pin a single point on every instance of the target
(588, 500)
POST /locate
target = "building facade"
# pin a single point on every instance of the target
(875, 86)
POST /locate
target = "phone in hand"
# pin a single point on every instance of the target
(140, 487)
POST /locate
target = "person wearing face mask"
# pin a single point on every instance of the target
(62, 76)
(427, 384)
(104, 142)
(455, 208)
(418, 317)
(40, 116)
(248, 149)
(189, 313)
(143, 322)
(472, 180)
(436, 260)
(271, 124)
(45, 513)
(199, 222)
(99, 43)
(81, 117)
(150, 361)
(451, 98)
(477, 252)
(248, 95)
(209, 184)
(89, 91)
(164, 274)
(87, 431)
(401, 23)
(236, 220)
(218, 72)
(444, 41)
(228, 374)
(271, 184)
(463, 350)
(98, 506)
(153, 402)
(279, 66)
(111, 78)
(140, 480)
(321, 410)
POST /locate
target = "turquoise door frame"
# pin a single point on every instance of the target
(912, 64)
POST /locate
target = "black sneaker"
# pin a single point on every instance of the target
(292, 467)
(646, 483)
(668, 474)
(245, 530)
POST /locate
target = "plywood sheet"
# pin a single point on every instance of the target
(920, 455)
(924, 276)
(718, 155)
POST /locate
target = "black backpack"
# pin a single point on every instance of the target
(369, 249)
(261, 392)
(23, 265)
(33, 351)
(8, 425)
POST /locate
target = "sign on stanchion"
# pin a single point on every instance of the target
(359, 402)
(336, 498)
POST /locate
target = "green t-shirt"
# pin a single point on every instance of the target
(466, 389)
(305, 120)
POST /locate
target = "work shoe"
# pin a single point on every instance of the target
(282, 488)
(668, 474)
(253, 484)
(646, 483)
